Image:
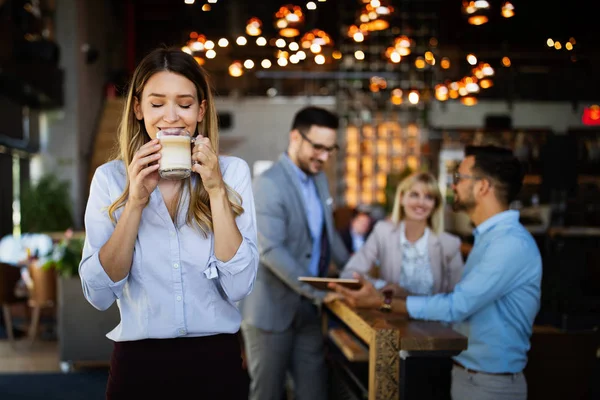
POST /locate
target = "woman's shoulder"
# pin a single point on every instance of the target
(449, 241)
(114, 169)
(384, 227)
(227, 162)
(234, 169)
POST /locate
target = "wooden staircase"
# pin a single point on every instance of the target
(106, 136)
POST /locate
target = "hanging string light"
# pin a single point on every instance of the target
(374, 15)
(508, 10)
(292, 46)
(254, 26)
(357, 34)
(289, 19)
(315, 40)
(476, 11)
(401, 48)
(441, 92)
(236, 69)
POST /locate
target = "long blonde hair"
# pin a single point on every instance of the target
(133, 134)
(435, 219)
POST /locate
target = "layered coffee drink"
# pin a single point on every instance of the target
(176, 153)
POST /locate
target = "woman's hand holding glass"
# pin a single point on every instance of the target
(143, 173)
(205, 163)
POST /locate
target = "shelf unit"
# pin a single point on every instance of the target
(373, 151)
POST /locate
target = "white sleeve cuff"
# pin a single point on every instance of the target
(95, 276)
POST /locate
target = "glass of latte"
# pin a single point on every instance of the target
(176, 153)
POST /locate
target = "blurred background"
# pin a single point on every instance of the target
(414, 82)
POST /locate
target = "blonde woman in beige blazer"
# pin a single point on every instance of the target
(433, 261)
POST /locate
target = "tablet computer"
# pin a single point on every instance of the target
(321, 283)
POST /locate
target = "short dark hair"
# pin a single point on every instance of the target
(360, 209)
(310, 116)
(499, 165)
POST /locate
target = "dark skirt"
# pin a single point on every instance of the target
(208, 367)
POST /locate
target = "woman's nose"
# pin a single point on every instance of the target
(170, 114)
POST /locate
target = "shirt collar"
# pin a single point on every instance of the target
(504, 216)
(301, 174)
(355, 235)
(420, 244)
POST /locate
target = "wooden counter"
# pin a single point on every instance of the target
(577, 231)
(391, 337)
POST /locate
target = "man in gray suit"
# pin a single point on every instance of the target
(296, 237)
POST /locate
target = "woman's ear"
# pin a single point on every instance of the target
(137, 109)
(201, 110)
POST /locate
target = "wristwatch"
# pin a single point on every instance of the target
(386, 306)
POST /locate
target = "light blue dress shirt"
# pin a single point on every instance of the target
(358, 241)
(497, 299)
(314, 214)
(176, 286)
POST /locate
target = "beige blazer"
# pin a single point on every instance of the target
(383, 246)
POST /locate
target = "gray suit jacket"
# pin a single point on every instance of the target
(383, 245)
(285, 247)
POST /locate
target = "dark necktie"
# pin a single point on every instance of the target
(325, 253)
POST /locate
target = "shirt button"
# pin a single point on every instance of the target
(178, 298)
(182, 331)
(172, 234)
(175, 265)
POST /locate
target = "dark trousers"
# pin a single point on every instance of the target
(208, 367)
(426, 378)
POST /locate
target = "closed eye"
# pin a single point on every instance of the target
(186, 107)
(156, 105)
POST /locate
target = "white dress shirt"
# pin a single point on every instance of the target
(176, 286)
(416, 275)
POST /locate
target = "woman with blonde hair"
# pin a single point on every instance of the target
(413, 255)
(176, 255)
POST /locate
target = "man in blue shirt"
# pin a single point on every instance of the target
(498, 297)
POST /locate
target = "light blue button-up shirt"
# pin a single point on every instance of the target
(497, 299)
(314, 214)
(357, 241)
(176, 286)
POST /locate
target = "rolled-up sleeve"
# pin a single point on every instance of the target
(495, 275)
(238, 274)
(97, 286)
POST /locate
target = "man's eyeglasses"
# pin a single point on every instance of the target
(319, 148)
(457, 177)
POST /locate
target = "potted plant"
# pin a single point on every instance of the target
(66, 255)
(46, 205)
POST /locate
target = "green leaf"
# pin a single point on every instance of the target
(46, 206)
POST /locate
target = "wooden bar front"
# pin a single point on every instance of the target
(390, 335)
